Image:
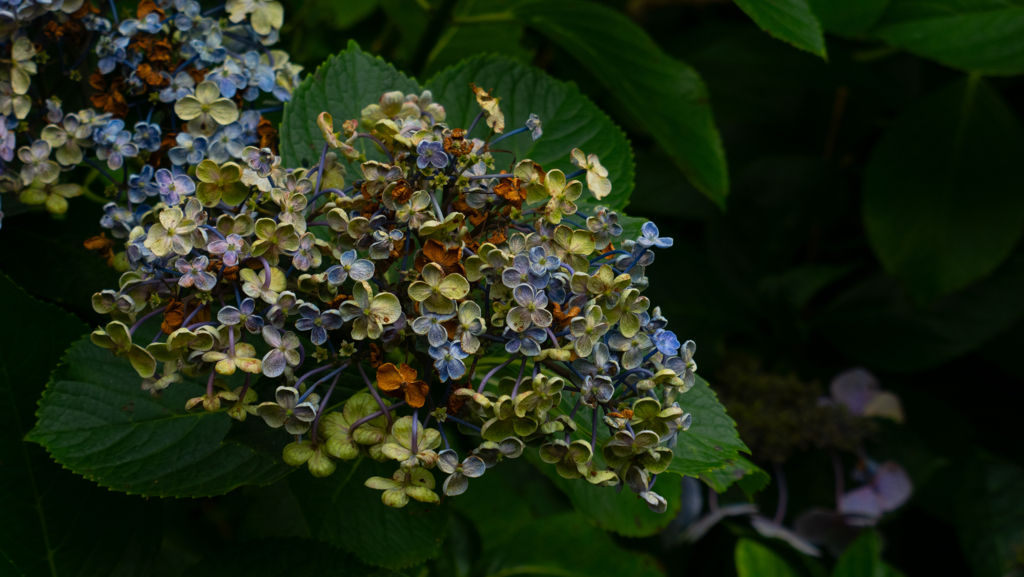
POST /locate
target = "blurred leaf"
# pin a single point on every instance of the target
(348, 13)
(411, 20)
(665, 95)
(877, 324)
(862, 558)
(985, 36)
(342, 511)
(459, 41)
(989, 512)
(95, 420)
(567, 546)
(942, 201)
(283, 556)
(711, 441)
(80, 273)
(54, 522)
(570, 119)
(621, 512)
(788, 20)
(342, 86)
(848, 18)
(750, 478)
(755, 560)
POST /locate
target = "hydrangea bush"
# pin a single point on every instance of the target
(418, 293)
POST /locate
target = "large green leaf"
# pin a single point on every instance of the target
(863, 558)
(570, 119)
(985, 36)
(712, 441)
(567, 546)
(343, 86)
(788, 20)
(665, 95)
(96, 420)
(848, 18)
(620, 512)
(54, 522)
(989, 512)
(755, 560)
(342, 511)
(283, 556)
(942, 190)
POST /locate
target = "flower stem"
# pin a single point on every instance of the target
(376, 396)
(139, 322)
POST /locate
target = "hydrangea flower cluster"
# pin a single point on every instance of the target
(411, 279)
(172, 87)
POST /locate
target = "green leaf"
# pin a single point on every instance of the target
(983, 36)
(55, 523)
(755, 560)
(565, 545)
(749, 477)
(862, 558)
(570, 119)
(342, 86)
(989, 512)
(621, 512)
(788, 20)
(342, 511)
(960, 143)
(96, 420)
(283, 556)
(665, 95)
(848, 18)
(712, 441)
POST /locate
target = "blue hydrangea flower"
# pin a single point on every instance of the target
(188, 15)
(259, 76)
(649, 236)
(147, 136)
(190, 149)
(245, 315)
(149, 24)
(666, 342)
(194, 273)
(541, 263)
(227, 143)
(117, 219)
(448, 360)
(250, 122)
(94, 23)
(431, 154)
(115, 145)
(520, 272)
(231, 249)
(526, 342)
(141, 185)
(181, 85)
(430, 324)
(111, 50)
(531, 309)
(317, 323)
(208, 48)
(350, 265)
(173, 188)
(228, 78)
